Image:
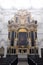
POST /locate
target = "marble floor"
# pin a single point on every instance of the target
(23, 63)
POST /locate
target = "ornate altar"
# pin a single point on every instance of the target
(22, 33)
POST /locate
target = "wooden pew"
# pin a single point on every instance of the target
(9, 60)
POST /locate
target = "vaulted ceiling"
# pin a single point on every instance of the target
(21, 4)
